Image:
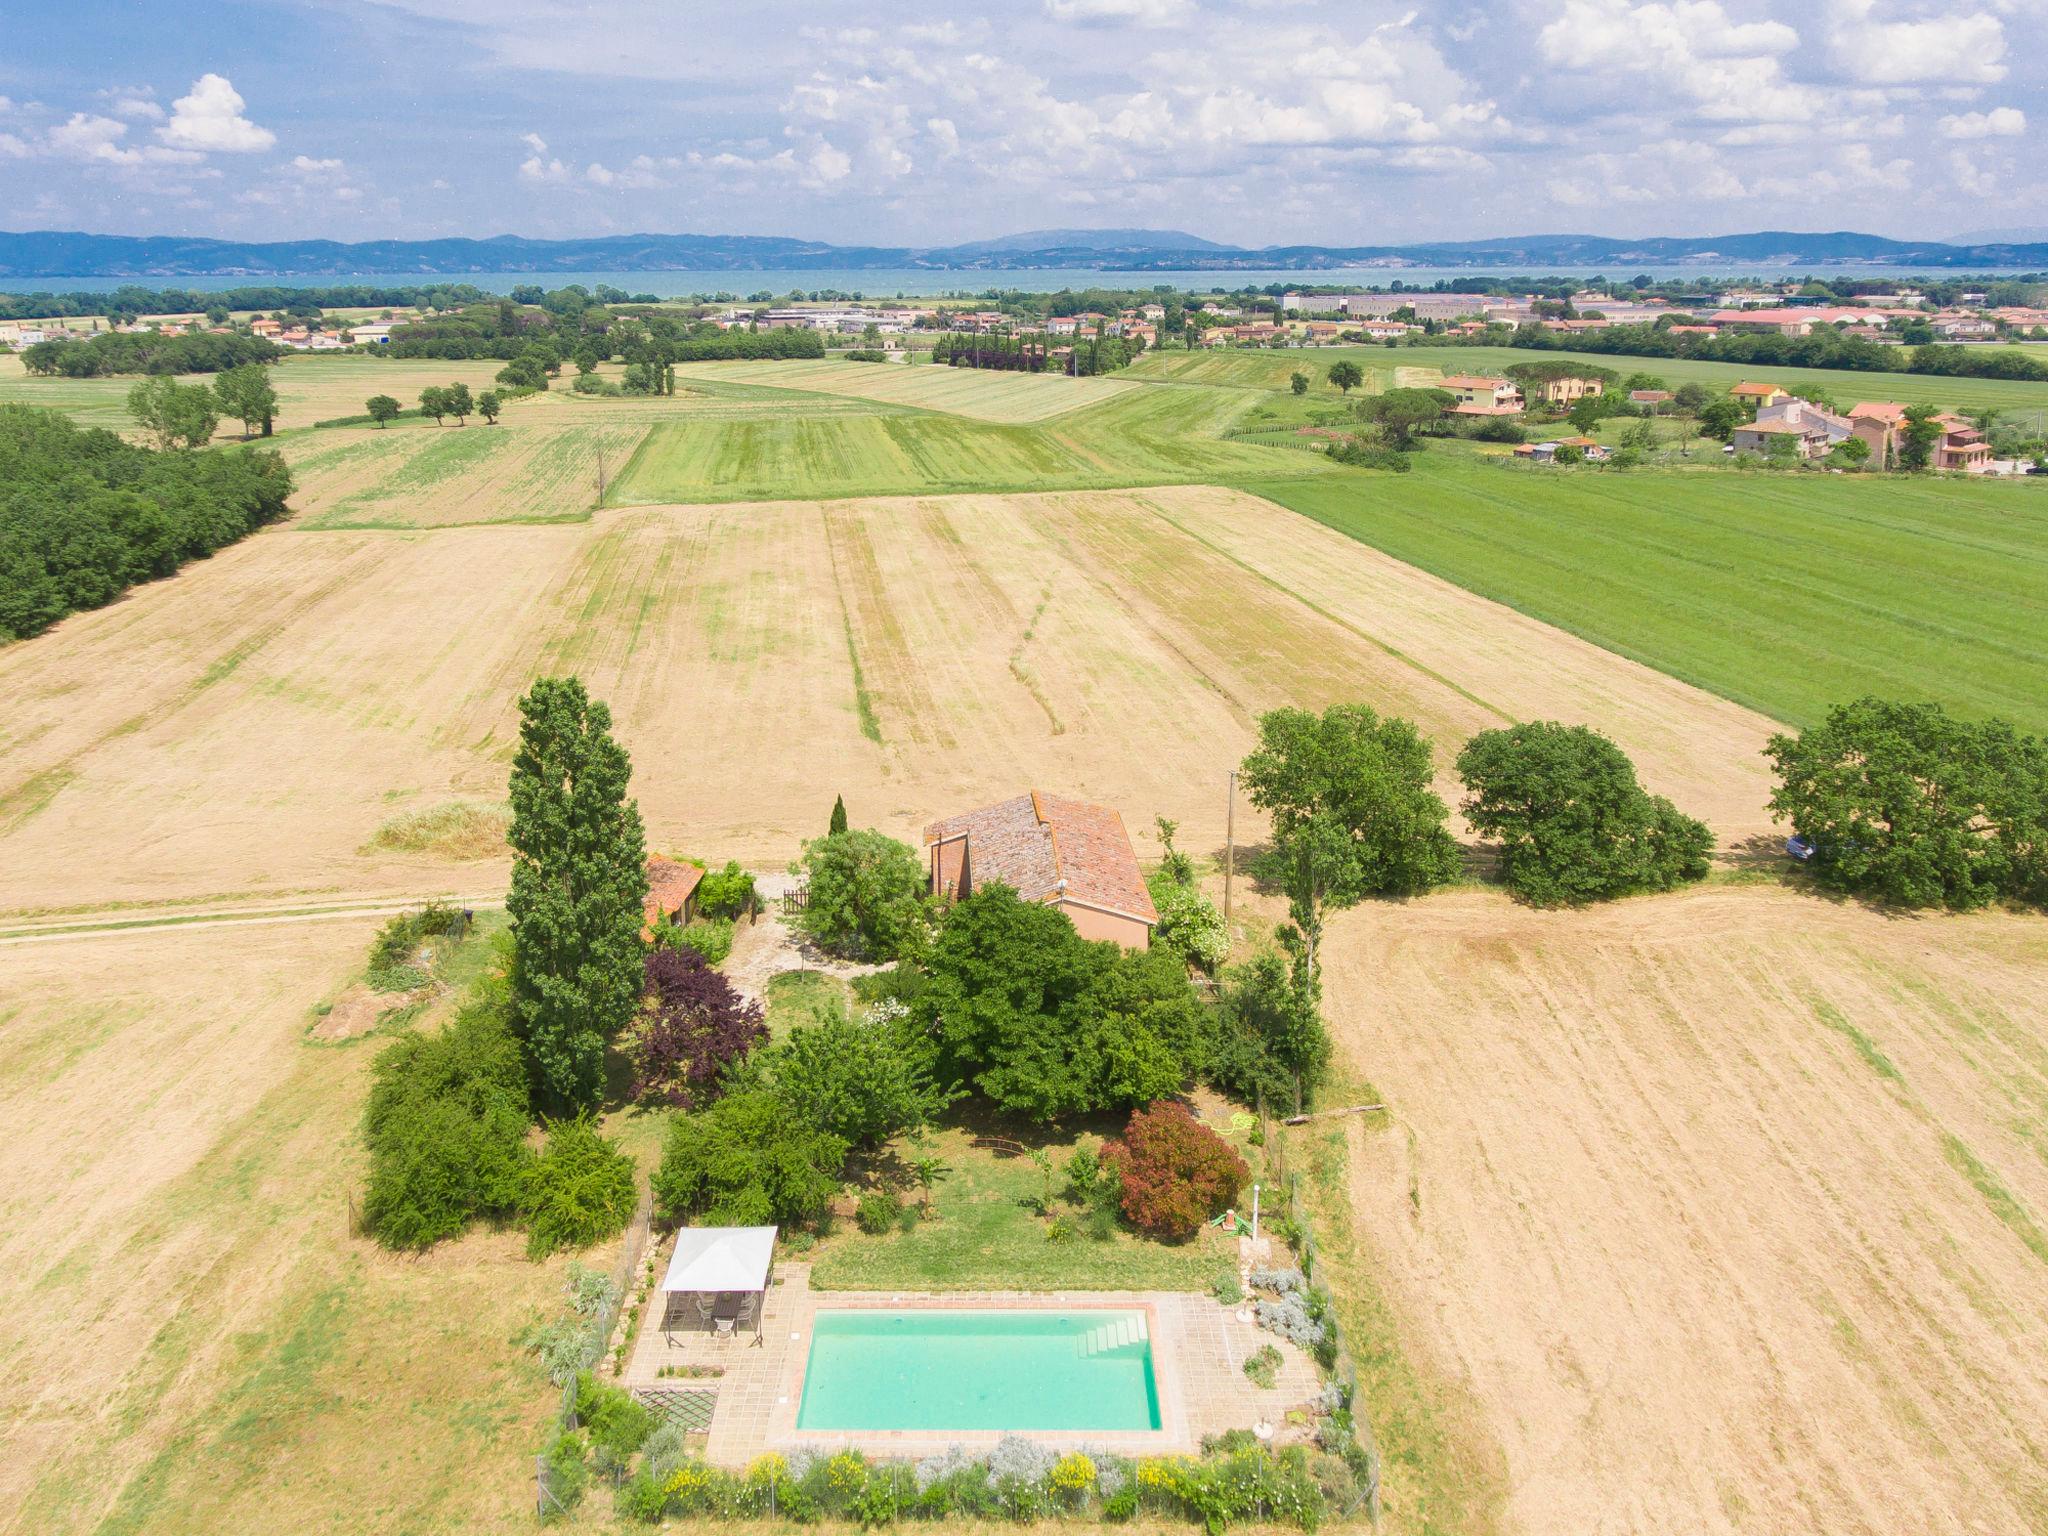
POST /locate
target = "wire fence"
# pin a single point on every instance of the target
(1343, 1369)
(603, 1323)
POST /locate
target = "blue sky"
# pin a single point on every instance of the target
(1257, 122)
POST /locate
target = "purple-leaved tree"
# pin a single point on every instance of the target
(695, 1025)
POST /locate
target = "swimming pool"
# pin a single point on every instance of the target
(980, 1368)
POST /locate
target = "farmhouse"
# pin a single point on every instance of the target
(1758, 395)
(1809, 439)
(1480, 395)
(1794, 411)
(1877, 423)
(1064, 853)
(1654, 399)
(1567, 388)
(1962, 447)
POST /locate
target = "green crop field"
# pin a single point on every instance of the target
(1140, 437)
(1264, 369)
(1783, 592)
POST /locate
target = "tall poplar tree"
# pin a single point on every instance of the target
(579, 885)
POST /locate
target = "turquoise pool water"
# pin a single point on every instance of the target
(976, 1369)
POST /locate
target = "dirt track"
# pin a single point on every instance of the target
(1703, 1264)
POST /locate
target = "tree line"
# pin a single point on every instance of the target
(114, 352)
(85, 515)
(1824, 348)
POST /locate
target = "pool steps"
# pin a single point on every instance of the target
(1124, 1331)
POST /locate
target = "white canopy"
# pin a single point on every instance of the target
(721, 1259)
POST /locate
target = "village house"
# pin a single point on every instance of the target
(1962, 447)
(1568, 388)
(1809, 438)
(1546, 453)
(1480, 395)
(1381, 330)
(263, 326)
(1758, 395)
(1793, 411)
(1653, 400)
(1877, 422)
(1051, 850)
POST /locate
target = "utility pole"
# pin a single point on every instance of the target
(1229, 847)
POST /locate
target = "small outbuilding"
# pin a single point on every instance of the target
(671, 892)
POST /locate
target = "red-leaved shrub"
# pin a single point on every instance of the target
(1177, 1173)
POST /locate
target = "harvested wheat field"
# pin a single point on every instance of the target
(1725, 1208)
(193, 1342)
(533, 467)
(982, 396)
(246, 728)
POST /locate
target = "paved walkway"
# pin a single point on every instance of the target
(1199, 1349)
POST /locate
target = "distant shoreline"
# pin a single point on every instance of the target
(926, 282)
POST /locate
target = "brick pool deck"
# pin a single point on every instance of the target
(1198, 1352)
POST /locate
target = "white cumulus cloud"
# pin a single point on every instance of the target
(1998, 123)
(1139, 13)
(1945, 49)
(210, 120)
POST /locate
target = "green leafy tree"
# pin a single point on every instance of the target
(1719, 417)
(1918, 437)
(434, 402)
(383, 409)
(746, 1161)
(1404, 413)
(1346, 375)
(1298, 382)
(460, 405)
(1586, 412)
(862, 1081)
(1353, 812)
(579, 1191)
(488, 406)
(579, 882)
(1908, 804)
(247, 394)
(1568, 453)
(1572, 821)
(838, 822)
(176, 415)
(866, 896)
(1271, 1046)
(1046, 1024)
(1690, 398)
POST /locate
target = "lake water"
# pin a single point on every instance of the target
(906, 282)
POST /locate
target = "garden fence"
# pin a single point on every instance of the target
(601, 1327)
(1343, 1369)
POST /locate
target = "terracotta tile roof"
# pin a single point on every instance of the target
(669, 886)
(1756, 389)
(1050, 848)
(1878, 410)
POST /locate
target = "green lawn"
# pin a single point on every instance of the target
(984, 1234)
(797, 998)
(1263, 369)
(1783, 591)
(1139, 437)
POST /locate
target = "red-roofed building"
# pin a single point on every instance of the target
(1059, 852)
(671, 892)
(1480, 395)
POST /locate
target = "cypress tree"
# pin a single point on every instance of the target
(579, 884)
(838, 815)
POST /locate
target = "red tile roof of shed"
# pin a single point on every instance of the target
(669, 886)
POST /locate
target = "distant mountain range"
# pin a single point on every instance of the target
(56, 255)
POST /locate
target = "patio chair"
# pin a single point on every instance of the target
(706, 1304)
